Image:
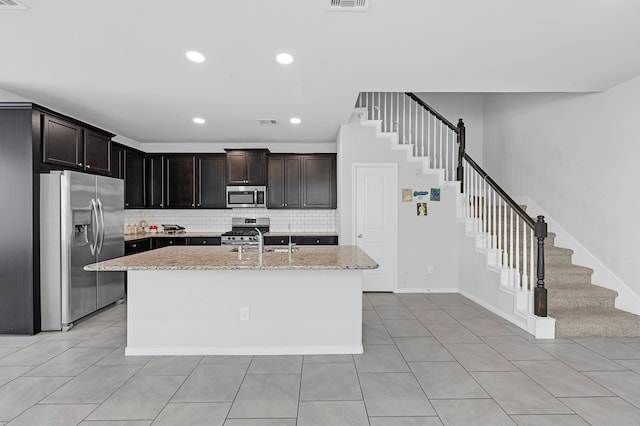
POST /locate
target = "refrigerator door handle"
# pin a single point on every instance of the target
(94, 212)
(101, 234)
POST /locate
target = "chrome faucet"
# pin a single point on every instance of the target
(260, 241)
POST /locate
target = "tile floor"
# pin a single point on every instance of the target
(429, 360)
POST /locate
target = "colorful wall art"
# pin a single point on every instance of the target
(435, 194)
(406, 195)
(421, 209)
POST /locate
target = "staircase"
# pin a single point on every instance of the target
(502, 230)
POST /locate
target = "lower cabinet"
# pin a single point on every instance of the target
(302, 240)
(137, 246)
(204, 241)
(166, 242)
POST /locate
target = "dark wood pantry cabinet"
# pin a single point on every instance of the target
(246, 167)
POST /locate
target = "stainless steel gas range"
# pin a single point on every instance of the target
(243, 230)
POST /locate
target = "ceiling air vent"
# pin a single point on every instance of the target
(349, 5)
(11, 4)
(267, 122)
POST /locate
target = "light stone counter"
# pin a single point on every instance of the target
(223, 257)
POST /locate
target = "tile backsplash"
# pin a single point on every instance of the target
(220, 220)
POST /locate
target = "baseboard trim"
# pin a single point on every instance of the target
(426, 290)
(245, 350)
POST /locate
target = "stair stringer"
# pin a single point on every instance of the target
(491, 285)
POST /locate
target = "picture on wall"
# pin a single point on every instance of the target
(406, 195)
(435, 194)
(421, 209)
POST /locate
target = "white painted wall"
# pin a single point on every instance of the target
(422, 241)
(6, 96)
(469, 107)
(576, 156)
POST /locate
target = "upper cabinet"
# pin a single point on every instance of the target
(211, 181)
(155, 181)
(180, 181)
(117, 161)
(69, 145)
(246, 167)
(319, 181)
(62, 143)
(97, 152)
(134, 179)
(302, 181)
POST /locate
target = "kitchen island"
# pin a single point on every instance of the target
(193, 300)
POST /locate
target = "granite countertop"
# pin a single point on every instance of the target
(198, 234)
(223, 257)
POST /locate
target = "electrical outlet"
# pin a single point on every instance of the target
(429, 269)
(244, 314)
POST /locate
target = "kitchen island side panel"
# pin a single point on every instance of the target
(198, 312)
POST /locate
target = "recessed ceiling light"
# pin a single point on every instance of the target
(194, 56)
(198, 120)
(294, 120)
(284, 58)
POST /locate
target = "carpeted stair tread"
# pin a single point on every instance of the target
(580, 295)
(593, 322)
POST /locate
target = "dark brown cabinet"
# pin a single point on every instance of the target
(62, 143)
(155, 181)
(273, 240)
(210, 181)
(247, 167)
(204, 241)
(117, 161)
(180, 183)
(166, 242)
(137, 246)
(319, 181)
(97, 152)
(302, 181)
(284, 181)
(68, 145)
(134, 179)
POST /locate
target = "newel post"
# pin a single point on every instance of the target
(461, 147)
(540, 294)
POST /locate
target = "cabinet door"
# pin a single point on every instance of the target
(166, 242)
(275, 183)
(319, 181)
(134, 179)
(137, 246)
(117, 161)
(180, 181)
(211, 181)
(97, 152)
(155, 181)
(62, 143)
(292, 181)
(236, 168)
(204, 241)
(255, 168)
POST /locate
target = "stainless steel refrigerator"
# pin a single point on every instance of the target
(81, 222)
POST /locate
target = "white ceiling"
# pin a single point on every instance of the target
(121, 65)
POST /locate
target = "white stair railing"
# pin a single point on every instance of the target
(502, 227)
(417, 124)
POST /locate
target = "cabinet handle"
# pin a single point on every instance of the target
(192, 205)
(80, 164)
(285, 204)
(204, 242)
(126, 204)
(88, 166)
(134, 245)
(317, 241)
(359, 235)
(161, 205)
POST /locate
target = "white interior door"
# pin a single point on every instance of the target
(375, 227)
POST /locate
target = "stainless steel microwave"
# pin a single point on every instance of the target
(246, 196)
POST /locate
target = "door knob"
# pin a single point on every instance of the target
(359, 235)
